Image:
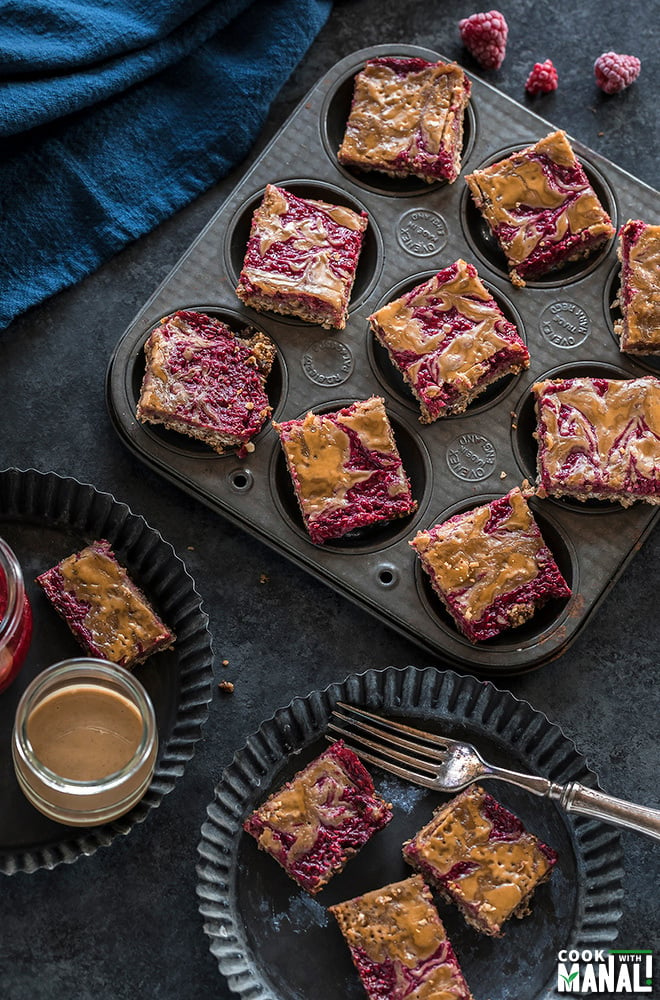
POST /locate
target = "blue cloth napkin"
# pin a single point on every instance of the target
(116, 113)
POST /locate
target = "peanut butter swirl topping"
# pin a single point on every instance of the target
(396, 922)
(369, 421)
(398, 113)
(505, 870)
(313, 254)
(117, 618)
(599, 431)
(643, 308)
(201, 375)
(484, 564)
(314, 800)
(415, 323)
(528, 203)
(399, 926)
(319, 450)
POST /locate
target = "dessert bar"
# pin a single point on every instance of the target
(480, 857)
(449, 339)
(599, 439)
(203, 380)
(399, 945)
(490, 566)
(346, 469)
(406, 119)
(541, 208)
(321, 818)
(301, 258)
(639, 296)
(106, 612)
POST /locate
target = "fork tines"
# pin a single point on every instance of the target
(389, 744)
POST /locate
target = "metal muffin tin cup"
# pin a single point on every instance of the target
(457, 462)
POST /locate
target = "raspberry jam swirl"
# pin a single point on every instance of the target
(15, 617)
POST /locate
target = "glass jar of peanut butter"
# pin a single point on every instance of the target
(84, 742)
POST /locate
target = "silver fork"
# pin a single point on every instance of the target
(446, 765)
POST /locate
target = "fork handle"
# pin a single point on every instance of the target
(577, 798)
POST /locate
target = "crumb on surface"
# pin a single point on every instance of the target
(226, 686)
(264, 578)
(225, 663)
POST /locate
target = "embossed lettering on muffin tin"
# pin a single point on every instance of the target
(421, 232)
(454, 462)
(328, 362)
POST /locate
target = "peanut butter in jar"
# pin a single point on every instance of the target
(85, 742)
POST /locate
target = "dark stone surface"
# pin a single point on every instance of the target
(124, 923)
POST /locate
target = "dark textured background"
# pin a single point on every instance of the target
(124, 923)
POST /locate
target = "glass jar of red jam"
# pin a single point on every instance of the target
(15, 617)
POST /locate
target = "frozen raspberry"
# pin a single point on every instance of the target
(542, 79)
(484, 36)
(615, 72)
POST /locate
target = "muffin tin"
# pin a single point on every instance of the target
(458, 462)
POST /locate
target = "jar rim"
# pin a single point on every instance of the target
(11, 570)
(77, 671)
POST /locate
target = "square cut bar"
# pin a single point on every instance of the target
(449, 339)
(301, 258)
(106, 612)
(399, 945)
(346, 469)
(639, 297)
(406, 119)
(490, 566)
(480, 857)
(541, 208)
(321, 818)
(205, 381)
(599, 439)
